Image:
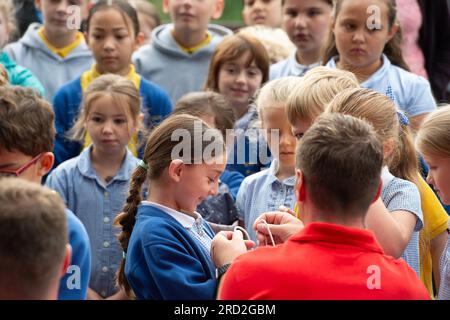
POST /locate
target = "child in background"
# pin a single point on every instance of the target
(274, 187)
(53, 52)
(17, 75)
(318, 87)
(306, 22)
(396, 218)
(4, 80)
(112, 34)
(177, 57)
(34, 253)
(238, 68)
(94, 184)
(433, 141)
(373, 54)
(216, 111)
(276, 41)
(148, 17)
(166, 243)
(262, 12)
(26, 145)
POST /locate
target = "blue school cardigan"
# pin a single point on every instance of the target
(164, 262)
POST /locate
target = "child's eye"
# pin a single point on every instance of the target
(97, 36)
(249, 3)
(253, 72)
(291, 13)
(121, 37)
(230, 69)
(298, 136)
(120, 121)
(313, 12)
(96, 119)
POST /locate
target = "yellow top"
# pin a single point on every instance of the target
(435, 221)
(62, 52)
(86, 79)
(197, 47)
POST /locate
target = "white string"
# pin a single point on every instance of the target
(243, 231)
(270, 233)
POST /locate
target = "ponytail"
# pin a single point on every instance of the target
(127, 218)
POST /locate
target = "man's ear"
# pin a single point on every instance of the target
(300, 191)
(67, 260)
(218, 9)
(378, 194)
(45, 163)
(176, 169)
(165, 6)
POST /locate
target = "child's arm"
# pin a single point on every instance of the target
(393, 230)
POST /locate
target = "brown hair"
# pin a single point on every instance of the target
(124, 8)
(209, 103)
(158, 155)
(121, 90)
(381, 112)
(433, 137)
(26, 121)
(315, 90)
(392, 49)
(340, 176)
(146, 8)
(33, 238)
(232, 47)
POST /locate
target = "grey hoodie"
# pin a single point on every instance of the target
(51, 70)
(177, 72)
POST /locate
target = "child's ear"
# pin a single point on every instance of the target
(140, 39)
(67, 260)
(176, 170)
(166, 6)
(37, 4)
(219, 5)
(394, 29)
(45, 163)
(378, 194)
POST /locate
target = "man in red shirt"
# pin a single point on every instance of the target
(338, 162)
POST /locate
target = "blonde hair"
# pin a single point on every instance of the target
(275, 92)
(158, 156)
(6, 9)
(381, 112)
(433, 137)
(315, 90)
(121, 90)
(4, 79)
(146, 8)
(275, 40)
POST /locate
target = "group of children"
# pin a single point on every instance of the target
(160, 227)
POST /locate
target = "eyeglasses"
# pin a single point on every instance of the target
(18, 172)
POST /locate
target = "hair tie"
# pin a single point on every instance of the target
(143, 165)
(402, 118)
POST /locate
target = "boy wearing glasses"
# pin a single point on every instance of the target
(26, 141)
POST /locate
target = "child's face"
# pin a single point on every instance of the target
(4, 30)
(192, 15)
(358, 46)
(108, 126)
(265, 12)
(197, 182)
(307, 24)
(274, 118)
(239, 80)
(55, 14)
(439, 176)
(299, 128)
(112, 41)
(15, 160)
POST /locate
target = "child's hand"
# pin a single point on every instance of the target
(228, 245)
(282, 225)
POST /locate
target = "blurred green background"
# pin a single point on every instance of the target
(231, 16)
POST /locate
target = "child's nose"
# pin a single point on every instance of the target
(358, 36)
(429, 178)
(107, 128)
(300, 21)
(241, 77)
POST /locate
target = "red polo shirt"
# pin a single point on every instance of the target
(323, 261)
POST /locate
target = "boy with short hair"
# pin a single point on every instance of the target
(333, 256)
(34, 253)
(26, 144)
(54, 52)
(178, 56)
(262, 12)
